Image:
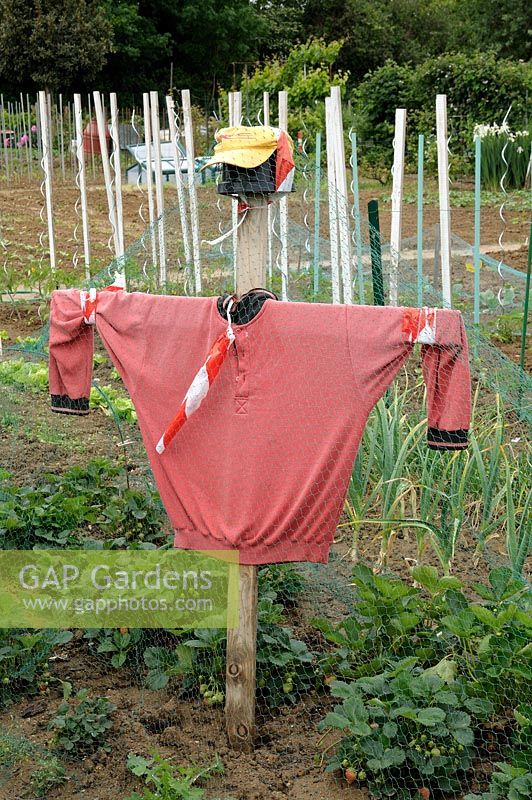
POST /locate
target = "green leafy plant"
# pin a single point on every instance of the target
(63, 507)
(285, 665)
(507, 783)
(48, 774)
(122, 644)
(166, 781)
(24, 659)
(282, 579)
(82, 722)
(404, 730)
(34, 376)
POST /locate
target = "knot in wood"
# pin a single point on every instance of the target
(242, 731)
(234, 670)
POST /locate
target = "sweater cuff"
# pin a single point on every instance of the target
(63, 404)
(438, 439)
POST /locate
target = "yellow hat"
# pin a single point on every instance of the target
(244, 146)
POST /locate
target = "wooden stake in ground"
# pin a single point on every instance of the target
(159, 194)
(46, 166)
(80, 180)
(397, 200)
(443, 190)
(283, 204)
(102, 129)
(242, 641)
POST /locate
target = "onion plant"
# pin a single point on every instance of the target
(398, 483)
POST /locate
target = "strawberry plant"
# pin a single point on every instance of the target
(122, 644)
(285, 666)
(82, 721)
(404, 729)
(24, 658)
(507, 783)
(63, 506)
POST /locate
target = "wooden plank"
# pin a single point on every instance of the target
(46, 165)
(159, 193)
(443, 191)
(194, 219)
(80, 180)
(397, 200)
(242, 641)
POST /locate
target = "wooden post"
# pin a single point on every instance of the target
(159, 193)
(443, 188)
(46, 165)
(341, 188)
(283, 204)
(102, 129)
(78, 119)
(115, 139)
(149, 175)
(397, 201)
(242, 641)
(191, 177)
(332, 196)
(62, 137)
(172, 124)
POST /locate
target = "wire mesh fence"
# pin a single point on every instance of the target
(400, 664)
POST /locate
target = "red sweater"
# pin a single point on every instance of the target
(264, 464)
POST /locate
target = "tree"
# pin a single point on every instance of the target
(504, 26)
(142, 45)
(53, 44)
(308, 74)
(213, 36)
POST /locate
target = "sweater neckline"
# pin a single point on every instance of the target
(243, 325)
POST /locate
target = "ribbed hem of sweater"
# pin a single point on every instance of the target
(285, 550)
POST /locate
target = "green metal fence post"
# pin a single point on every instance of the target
(317, 192)
(420, 158)
(356, 215)
(376, 253)
(476, 242)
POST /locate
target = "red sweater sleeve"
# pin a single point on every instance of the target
(70, 358)
(448, 382)
(380, 341)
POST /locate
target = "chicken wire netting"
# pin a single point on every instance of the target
(399, 668)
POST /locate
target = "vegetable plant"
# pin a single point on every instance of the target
(24, 658)
(403, 730)
(165, 781)
(82, 722)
